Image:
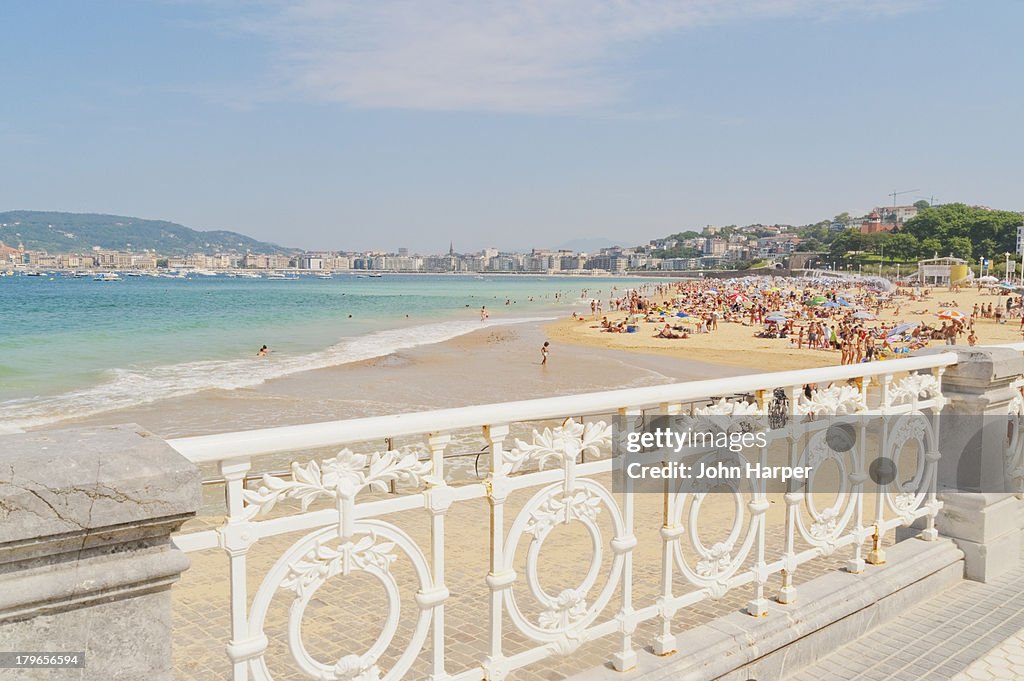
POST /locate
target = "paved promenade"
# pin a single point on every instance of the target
(971, 631)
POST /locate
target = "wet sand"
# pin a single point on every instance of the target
(497, 364)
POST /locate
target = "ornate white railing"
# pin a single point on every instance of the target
(558, 448)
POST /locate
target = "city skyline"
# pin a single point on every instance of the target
(360, 126)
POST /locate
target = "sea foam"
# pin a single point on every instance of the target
(130, 388)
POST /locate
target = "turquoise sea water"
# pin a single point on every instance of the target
(71, 347)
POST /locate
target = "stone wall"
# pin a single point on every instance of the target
(86, 561)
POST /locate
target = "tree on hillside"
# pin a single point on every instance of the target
(960, 247)
(931, 247)
(903, 247)
(976, 225)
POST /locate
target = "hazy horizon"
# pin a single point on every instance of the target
(337, 125)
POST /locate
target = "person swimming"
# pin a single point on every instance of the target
(263, 352)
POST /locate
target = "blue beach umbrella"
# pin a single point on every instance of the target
(900, 329)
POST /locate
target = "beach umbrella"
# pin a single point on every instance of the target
(739, 298)
(845, 303)
(863, 315)
(831, 304)
(817, 300)
(988, 279)
(953, 315)
(900, 329)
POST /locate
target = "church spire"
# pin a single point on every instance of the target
(451, 248)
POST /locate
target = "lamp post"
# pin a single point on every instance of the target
(1007, 272)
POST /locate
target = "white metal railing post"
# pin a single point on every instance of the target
(792, 497)
(876, 556)
(758, 506)
(858, 476)
(237, 537)
(665, 642)
(626, 657)
(930, 532)
(498, 578)
(438, 501)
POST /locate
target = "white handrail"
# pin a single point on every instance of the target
(222, 446)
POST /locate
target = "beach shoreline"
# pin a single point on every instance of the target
(497, 363)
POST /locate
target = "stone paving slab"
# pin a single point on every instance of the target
(970, 632)
(1005, 661)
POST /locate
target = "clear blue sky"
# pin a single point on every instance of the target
(384, 124)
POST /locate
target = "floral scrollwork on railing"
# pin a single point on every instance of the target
(345, 475)
(832, 401)
(582, 504)
(913, 388)
(726, 407)
(716, 561)
(568, 608)
(322, 562)
(562, 443)
(824, 526)
(905, 496)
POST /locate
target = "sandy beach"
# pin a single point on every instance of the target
(736, 345)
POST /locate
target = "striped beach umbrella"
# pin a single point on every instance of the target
(952, 315)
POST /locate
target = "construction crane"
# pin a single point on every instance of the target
(895, 194)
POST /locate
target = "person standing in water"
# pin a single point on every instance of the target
(262, 352)
(544, 353)
(484, 314)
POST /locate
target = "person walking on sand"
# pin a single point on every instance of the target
(544, 353)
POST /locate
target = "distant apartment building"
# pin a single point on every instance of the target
(896, 214)
(715, 246)
(1020, 240)
(610, 263)
(680, 264)
(311, 262)
(572, 262)
(776, 245)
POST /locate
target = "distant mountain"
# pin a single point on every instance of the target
(79, 232)
(589, 245)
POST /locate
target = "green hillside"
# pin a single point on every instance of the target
(79, 232)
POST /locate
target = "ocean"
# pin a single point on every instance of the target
(71, 348)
